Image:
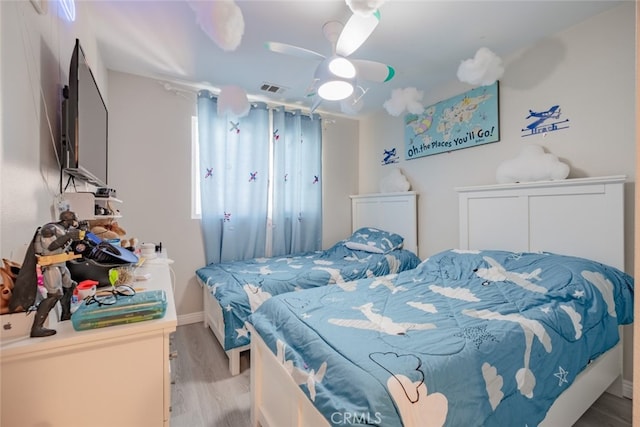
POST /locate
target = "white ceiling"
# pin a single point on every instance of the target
(424, 41)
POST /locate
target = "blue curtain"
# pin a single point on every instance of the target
(297, 183)
(234, 167)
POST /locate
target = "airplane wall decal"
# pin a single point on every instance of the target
(540, 124)
(551, 113)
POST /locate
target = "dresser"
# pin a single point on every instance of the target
(113, 376)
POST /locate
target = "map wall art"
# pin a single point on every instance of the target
(463, 121)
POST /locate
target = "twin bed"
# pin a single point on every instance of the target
(520, 325)
(384, 241)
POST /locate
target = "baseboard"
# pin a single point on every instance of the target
(627, 389)
(187, 319)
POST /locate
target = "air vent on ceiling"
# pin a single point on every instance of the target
(272, 88)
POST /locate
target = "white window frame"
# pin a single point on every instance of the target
(196, 205)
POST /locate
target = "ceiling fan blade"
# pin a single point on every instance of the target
(312, 90)
(373, 71)
(351, 105)
(316, 104)
(357, 29)
(288, 49)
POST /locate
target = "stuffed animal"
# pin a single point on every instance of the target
(11, 267)
(532, 164)
(107, 229)
(6, 291)
(8, 273)
(129, 243)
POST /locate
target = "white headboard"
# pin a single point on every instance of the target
(393, 212)
(581, 217)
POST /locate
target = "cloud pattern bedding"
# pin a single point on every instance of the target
(468, 338)
(241, 287)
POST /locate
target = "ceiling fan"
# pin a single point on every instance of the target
(336, 77)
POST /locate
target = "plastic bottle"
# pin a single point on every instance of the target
(75, 302)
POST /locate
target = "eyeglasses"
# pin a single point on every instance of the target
(101, 300)
(110, 297)
(124, 290)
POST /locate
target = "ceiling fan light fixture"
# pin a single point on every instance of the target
(336, 78)
(342, 67)
(335, 90)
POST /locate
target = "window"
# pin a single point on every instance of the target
(259, 184)
(196, 206)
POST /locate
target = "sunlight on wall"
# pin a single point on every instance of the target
(68, 10)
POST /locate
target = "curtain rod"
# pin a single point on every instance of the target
(194, 89)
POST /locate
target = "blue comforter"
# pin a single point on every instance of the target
(468, 338)
(241, 287)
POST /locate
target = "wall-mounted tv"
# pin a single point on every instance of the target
(84, 124)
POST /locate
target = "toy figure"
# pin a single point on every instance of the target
(50, 246)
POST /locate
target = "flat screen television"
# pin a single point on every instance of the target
(84, 124)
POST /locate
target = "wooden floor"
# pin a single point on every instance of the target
(204, 394)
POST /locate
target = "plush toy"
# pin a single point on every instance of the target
(12, 268)
(532, 164)
(129, 243)
(6, 291)
(395, 182)
(107, 229)
(8, 273)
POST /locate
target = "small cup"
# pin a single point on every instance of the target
(148, 250)
(86, 288)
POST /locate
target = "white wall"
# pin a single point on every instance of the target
(340, 176)
(589, 70)
(35, 52)
(150, 168)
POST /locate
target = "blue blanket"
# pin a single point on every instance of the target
(468, 338)
(241, 287)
